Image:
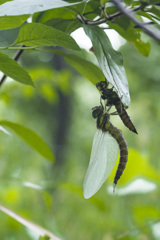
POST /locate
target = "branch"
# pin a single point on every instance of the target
(17, 56)
(101, 20)
(138, 24)
(145, 23)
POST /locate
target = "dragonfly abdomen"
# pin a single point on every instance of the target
(125, 117)
(122, 161)
(116, 133)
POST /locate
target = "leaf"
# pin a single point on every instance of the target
(13, 70)
(39, 35)
(4, 1)
(110, 62)
(65, 19)
(17, 7)
(143, 48)
(155, 10)
(103, 158)
(31, 138)
(128, 2)
(62, 19)
(63, 13)
(86, 68)
(12, 22)
(92, 8)
(30, 225)
(67, 26)
(110, 8)
(131, 34)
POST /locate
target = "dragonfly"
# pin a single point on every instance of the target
(106, 144)
(113, 99)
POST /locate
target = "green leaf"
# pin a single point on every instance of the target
(131, 34)
(155, 10)
(39, 35)
(110, 62)
(18, 7)
(67, 26)
(63, 13)
(4, 1)
(85, 67)
(31, 138)
(146, 15)
(30, 225)
(124, 22)
(8, 22)
(143, 48)
(110, 8)
(62, 19)
(128, 2)
(13, 70)
(65, 19)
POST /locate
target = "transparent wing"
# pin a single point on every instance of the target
(103, 158)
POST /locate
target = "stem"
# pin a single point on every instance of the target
(138, 24)
(17, 56)
(145, 23)
(101, 20)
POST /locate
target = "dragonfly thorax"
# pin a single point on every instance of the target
(102, 120)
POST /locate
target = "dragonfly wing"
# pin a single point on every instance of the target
(103, 157)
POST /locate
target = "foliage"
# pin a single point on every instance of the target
(52, 197)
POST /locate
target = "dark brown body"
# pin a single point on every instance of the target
(113, 99)
(106, 126)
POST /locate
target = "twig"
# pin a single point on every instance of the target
(101, 20)
(145, 23)
(139, 24)
(17, 56)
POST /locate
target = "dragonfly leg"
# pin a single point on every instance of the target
(100, 100)
(114, 113)
(109, 107)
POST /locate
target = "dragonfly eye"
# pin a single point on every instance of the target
(97, 111)
(101, 85)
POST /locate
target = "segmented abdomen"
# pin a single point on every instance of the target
(124, 116)
(116, 133)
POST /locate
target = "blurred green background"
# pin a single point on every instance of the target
(59, 110)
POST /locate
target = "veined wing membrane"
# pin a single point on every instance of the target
(103, 158)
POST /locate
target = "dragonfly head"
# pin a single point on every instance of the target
(97, 111)
(101, 85)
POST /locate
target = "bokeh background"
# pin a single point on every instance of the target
(59, 110)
